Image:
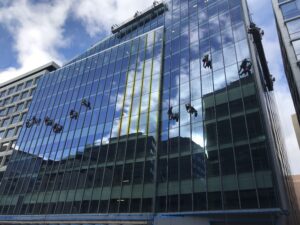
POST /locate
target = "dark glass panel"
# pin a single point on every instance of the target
(267, 198)
(135, 205)
(239, 128)
(243, 160)
(198, 165)
(212, 163)
(108, 174)
(173, 203)
(254, 125)
(214, 200)
(211, 134)
(173, 145)
(113, 205)
(147, 205)
(124, 205)
(259, 155)
(173, 169)
(222, 110)
(98, 177)
(84, 208)
(161, 204)
(103, 206)
(227, 161)
(162, 170)
(185, 202)
(224, 132)
(149, 172)
(138, 172)
(231, 200)
(185, 167)
(94, 206)
(130, 149)
(236, 106)
(200, 201)
(248, 199)
(117, 175)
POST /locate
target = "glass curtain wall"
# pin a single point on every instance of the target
(107, 153)
(160, 130)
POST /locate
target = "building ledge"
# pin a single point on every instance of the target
(133, 218)
(139, 17)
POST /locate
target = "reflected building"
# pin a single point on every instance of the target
(287, 15)
(296, 128)
(139, 129)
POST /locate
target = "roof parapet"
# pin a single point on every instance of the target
(157, 8)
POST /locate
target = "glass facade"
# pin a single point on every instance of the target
(145, 125)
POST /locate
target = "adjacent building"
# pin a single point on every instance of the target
(169, 120)
(15, 98)
(287, 14)
(296, 182)
(296, 128)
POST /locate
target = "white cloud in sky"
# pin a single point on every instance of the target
(38, 28)
(37, 31)
(101, 15)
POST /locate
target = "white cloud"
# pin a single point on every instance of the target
(98, 16)
(37, 30)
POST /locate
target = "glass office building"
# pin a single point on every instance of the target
(165, 121)
(287, 14)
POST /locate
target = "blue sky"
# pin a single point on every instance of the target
(34, 32)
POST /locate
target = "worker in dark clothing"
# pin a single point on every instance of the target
(48, 121)
(173, 116)
(170, 113)
(31, 122)
(86, 103)
(28, 123)
(206, 62)
(36, 120)
(191, 110)
(57, 128)
(245, 67)
(74, 114)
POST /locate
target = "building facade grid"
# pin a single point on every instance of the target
(135, 147)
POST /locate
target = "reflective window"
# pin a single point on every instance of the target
(294, 28)
(2, 134)
(296, 46)
(10, 110)
(10, 90)
(5, 122)
(14, 98)
(19, 87)
(24, 94)
(2, 93)
(4, 145)
(28, 83)
(15, 119)
(10, 133)
(290, 9)
(20, 107)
